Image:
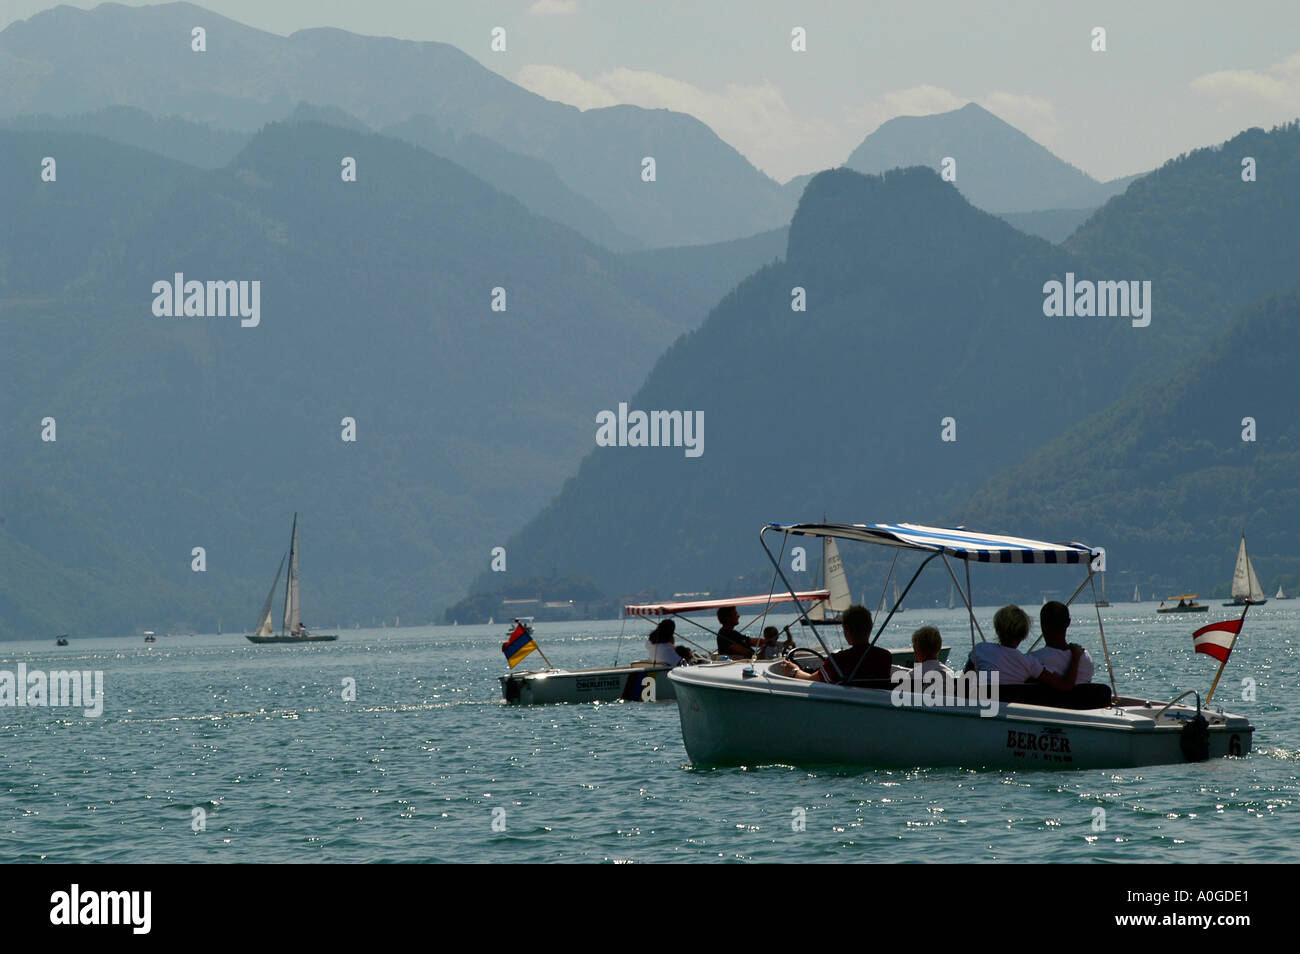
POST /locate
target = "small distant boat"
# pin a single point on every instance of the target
(62, 640)
(1103, 601)
(1246, 590)
(292, 630)
(1280, 595)
(639, 681)
(1186, 604)
(149, 637)
(1137, 597)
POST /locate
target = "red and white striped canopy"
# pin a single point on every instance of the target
(699, 606)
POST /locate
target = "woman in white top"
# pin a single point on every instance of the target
(1013, 667)
(662, 651)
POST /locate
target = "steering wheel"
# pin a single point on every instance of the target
(791, 655)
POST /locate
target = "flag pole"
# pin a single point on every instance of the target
(529, 630)
(1231, 647)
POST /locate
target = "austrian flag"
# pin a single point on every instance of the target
(1217, 639)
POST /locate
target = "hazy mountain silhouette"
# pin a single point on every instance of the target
(67, 61)
(919, 307)
(998, 168)
(182, 432)
(195, 144)
(1167, 471)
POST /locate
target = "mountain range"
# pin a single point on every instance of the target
(832, 332)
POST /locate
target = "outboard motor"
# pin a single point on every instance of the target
(1195, 738)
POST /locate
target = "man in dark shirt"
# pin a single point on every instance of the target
(732, 642)
(860, 661)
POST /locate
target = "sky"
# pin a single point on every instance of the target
(1175, 76)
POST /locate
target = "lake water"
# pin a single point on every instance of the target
(425, 760)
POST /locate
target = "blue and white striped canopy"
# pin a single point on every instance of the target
(957, 542)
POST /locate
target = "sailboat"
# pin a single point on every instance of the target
(1246, 590)
(1137, 597)
(292, 630)
(1280, 595)
(951, 591)
(836, 583)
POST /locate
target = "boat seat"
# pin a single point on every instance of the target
(1088, 695)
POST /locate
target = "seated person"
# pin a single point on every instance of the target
(1054, 618)
(861, 661)
(1013, 667)
(771, 649)
(926, 643)
(732, 642)
(660, 646)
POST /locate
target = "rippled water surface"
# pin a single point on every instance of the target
(420, 765)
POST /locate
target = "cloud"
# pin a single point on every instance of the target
(554, 7)
(1277, 86)
(564, 86)
(755, 119)
(913, 101)
(1034, 117)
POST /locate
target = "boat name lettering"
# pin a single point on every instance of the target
(1050, 742)
(595, 683)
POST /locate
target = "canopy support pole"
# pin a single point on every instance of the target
(908, 589)
(794, 597)
(1114, 692)
(965, 598)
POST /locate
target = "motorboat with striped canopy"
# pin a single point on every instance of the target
(900, 722)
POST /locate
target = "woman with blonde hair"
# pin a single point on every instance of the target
(1013, 667)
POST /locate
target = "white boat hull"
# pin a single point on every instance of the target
(728, 719)
(634, 683)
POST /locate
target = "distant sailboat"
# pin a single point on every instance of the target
(1246, 590)
(1137, 598)
(1280, 594)
(950, 596)
(1103, 601)
(835, 581)
(292, 629)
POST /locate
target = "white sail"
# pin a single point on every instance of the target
(292, 611)
(264, 621)
(1280, 594)
(836, 581)
(1136, 597)
(1245, 584)
(950, 596)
